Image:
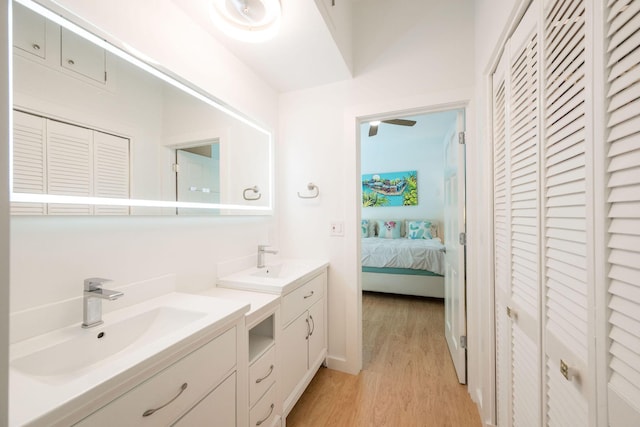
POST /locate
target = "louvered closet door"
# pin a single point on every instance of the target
(69, 165)
(29, 161)
(568, 264)
(501, 247)
(111, 171)
(623, 145)
(523, 137)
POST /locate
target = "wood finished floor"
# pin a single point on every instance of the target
(407, 379)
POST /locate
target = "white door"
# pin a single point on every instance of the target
(454, 276)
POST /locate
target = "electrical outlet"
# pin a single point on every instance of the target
(336, 228)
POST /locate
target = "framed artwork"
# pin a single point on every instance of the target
(390, 189)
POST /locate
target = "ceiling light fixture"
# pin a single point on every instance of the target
(251, 21)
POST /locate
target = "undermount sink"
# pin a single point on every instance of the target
(86, 347)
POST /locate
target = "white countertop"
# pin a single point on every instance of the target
(47, 400)
(297, 272)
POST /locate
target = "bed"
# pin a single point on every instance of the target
(406, 262)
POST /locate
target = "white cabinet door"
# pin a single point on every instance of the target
(294, 349)
(29, 31)
(29, 161)
(82, 56)
(111, 171)
(317, 333)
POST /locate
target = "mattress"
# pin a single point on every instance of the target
(416, 254)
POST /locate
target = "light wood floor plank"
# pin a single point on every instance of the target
(408, 379)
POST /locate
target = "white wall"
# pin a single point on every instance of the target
(407, 56)
(51, 256)
(399, 148)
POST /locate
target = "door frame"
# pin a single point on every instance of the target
(384, 114)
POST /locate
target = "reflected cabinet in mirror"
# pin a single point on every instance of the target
(97, 131)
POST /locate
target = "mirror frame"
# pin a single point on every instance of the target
(68, 20)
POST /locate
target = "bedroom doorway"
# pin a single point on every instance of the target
(413, 193)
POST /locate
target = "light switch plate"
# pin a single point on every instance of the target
(336, 228)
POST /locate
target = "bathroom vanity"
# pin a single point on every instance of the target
(301, 287)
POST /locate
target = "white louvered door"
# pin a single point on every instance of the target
(69, 166)
(111, 171)
(623, 152)
(516, 226)
(523, 185)
(501, 246)
(568, 246)
(29, 162)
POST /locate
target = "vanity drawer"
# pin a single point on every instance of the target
(302, 298)
(262, 373)
(218, 407)
(201, 370)
(264, 413)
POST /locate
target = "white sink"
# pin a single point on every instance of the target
(278, 278)
(281, 270)
(52, 374)
(86, 347)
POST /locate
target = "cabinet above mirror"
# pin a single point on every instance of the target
(99, 131)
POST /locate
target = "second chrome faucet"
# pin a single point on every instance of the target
(262, 249)
(94, 293)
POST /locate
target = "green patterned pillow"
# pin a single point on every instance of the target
(419, 230)
(389, 229)
(364, 226)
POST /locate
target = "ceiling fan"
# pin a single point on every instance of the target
(373, 126)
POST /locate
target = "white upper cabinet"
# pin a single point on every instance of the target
(29, 32)
(83, 57)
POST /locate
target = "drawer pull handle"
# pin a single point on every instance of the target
(259, 380)
(267, 417)
(308, 329)
(149, 412)
(313, 325)
(308, 296)
(35, 46)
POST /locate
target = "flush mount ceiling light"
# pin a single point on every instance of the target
(247, 20)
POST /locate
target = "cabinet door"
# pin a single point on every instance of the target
(294, 353)
(317, 334)
(217, 409)
(82, 56)
(29, 161)
(28, 30)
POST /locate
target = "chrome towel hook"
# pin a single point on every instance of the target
(255, 190)
(313, 189)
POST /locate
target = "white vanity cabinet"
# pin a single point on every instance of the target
(304, 338)
(200, 386)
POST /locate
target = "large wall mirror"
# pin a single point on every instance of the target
(98, 131)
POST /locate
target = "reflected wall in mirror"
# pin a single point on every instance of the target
(90, 125)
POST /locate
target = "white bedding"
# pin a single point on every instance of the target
(417, 254)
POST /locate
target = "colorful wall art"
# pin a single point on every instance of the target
(390, 189)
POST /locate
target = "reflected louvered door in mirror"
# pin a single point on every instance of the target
(623, 152)
(567, 216)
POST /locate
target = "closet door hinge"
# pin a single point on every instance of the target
(463, 341)
(462, 239)
(461, 138)
(176, 167)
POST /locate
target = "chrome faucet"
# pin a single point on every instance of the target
(92, 301)
(262, 249)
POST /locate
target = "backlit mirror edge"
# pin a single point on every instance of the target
(62, 16)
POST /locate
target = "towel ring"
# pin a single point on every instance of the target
(315, 191)
(255, 190)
